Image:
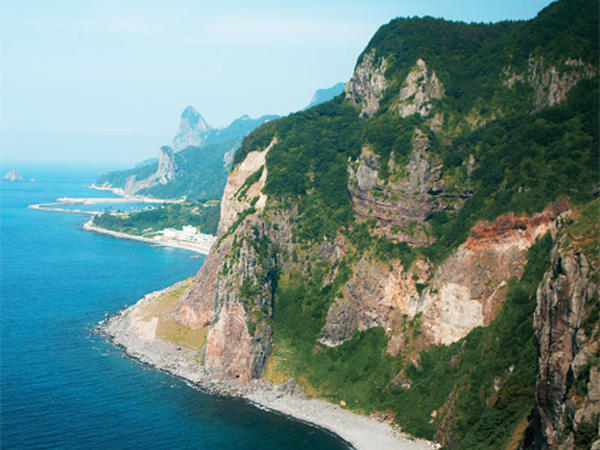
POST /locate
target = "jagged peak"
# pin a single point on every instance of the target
(191, 115)
(192, 129)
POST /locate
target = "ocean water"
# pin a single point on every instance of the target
(62, 387)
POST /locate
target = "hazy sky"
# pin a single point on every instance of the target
(106, 80)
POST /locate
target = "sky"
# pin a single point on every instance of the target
(105, 81)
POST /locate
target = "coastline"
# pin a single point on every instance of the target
(198, 248)
(137, 337)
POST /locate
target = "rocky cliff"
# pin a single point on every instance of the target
(418, 90)
(550, 83)
(463, 293)
(412, 193)
(193, 130)
(233, 292)
(368, 84)
(376, 248)
(165, 172)
(567, 329)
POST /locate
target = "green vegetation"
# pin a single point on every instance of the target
(361, 373)
(482, 417)
(525, 157)
(205, 216)
(525, 162)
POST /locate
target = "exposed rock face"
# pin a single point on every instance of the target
(419, 88)
(368, 84)
(166, 165)
(550, 84)
(568, 382)
(13, 175)
(235, 201)
(164, 173)
(468, 289)
(193, 129)
(410, 196)
(234, 288)
(228, 348)
(374, 296)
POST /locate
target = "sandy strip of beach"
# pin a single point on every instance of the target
(135, 332)
(198, 248)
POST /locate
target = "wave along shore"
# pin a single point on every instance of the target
(135, 329)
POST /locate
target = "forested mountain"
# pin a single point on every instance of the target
(426, 244)
(198, 160)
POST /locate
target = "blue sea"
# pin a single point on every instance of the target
(64, 387)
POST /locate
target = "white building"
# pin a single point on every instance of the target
(189, 230)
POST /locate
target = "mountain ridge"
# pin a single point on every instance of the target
(378, 246)
(196, 149)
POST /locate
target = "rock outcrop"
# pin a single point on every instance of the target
(567, 329)
(468, 289)
(368, 84)
(408, 198)
(165, 172)
(550, 83)
(12, 176)
(420, 87)
(233, 292)
(239, 194)
(465, 292)
(193, 129)
(374, 296)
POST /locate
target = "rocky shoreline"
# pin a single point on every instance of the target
(137, 337)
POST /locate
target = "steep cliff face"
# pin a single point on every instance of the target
(550, 83)
(368, 84)
(566, 326)
(463, 293)
(244, 187)
(233, 292)
(193, 129)
(468, 289)
(420, 87)
(402, 203)
(167, 168)
(375, 296)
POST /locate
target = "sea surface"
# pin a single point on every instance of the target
(64, 387)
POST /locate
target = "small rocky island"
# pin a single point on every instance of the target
(13, 175)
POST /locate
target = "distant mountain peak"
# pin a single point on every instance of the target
(193, 129)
